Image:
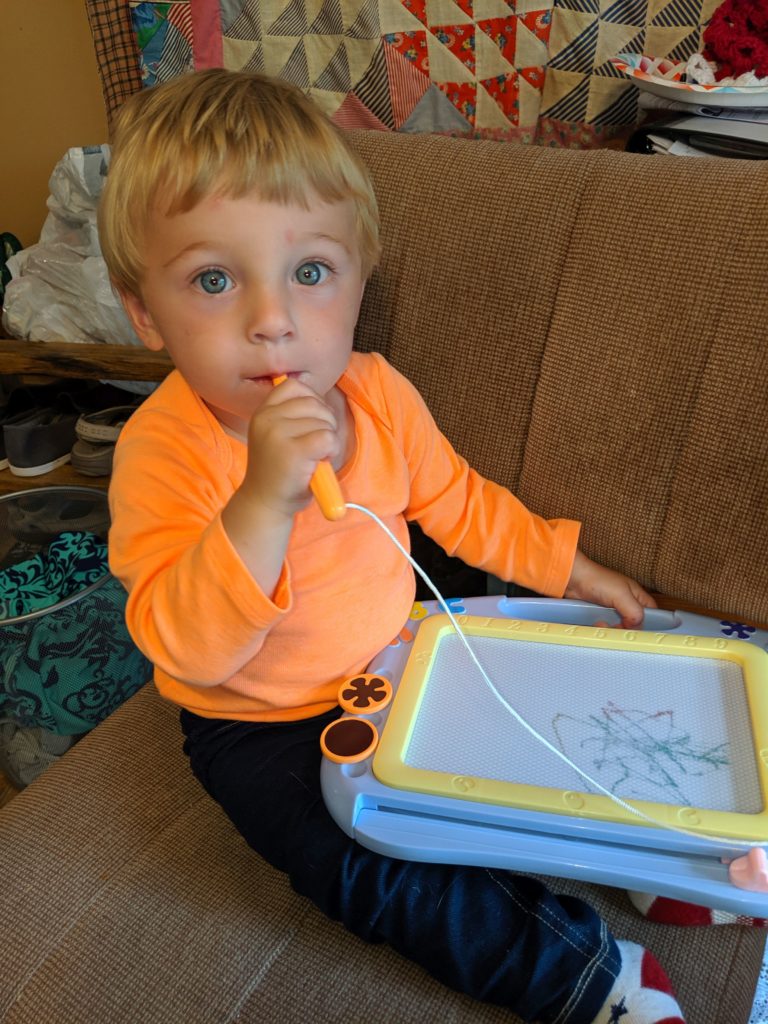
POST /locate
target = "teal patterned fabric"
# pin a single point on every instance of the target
(66, 668)
(71, 562)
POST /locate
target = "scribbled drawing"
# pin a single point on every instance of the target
(635, 751)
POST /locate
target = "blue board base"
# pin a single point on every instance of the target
(416, 826)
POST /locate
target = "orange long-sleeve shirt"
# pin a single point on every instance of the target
(224, 649)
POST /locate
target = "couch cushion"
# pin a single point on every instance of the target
(590, 333)
(463, 300)
(654, 379)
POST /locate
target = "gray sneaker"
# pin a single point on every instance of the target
(92, 459)
(103, 426)
(97, 433)
(39, 440)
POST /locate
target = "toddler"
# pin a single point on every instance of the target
(239, 230)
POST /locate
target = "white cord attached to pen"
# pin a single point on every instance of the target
(719, 840)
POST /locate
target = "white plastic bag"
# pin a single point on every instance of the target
(60, 288)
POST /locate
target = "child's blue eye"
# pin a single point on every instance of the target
(312, 273)
(214, 281)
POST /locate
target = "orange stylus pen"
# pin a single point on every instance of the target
(324, 485)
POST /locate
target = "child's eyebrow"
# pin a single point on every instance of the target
(192, 247)
(321, 236)
(310, 236)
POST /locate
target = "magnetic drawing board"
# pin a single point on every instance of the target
(675, 725)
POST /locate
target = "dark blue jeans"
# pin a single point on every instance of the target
(500, 937)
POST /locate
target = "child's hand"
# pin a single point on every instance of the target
(288, 435)
(592, 582)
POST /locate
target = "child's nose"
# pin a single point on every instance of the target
(268, 316)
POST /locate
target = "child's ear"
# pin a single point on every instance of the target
(142, 321)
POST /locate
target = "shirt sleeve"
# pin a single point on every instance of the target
(193, 608)
(471, 517)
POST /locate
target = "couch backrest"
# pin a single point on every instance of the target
(589, 328)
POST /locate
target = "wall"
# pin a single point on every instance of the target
(50, 100)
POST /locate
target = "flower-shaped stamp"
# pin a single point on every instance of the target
(364, 694)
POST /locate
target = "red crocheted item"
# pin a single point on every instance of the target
(736, 38)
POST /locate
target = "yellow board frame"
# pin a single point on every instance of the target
(390, 768)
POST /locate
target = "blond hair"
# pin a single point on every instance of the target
(228, 133)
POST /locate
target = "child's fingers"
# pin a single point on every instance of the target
(314, 440)
(631, 603)
(300, 407)
(284, 419)
(592, 582)
(631, 621)
(646, 600)
(301, 426)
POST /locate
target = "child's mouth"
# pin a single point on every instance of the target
(269, 378)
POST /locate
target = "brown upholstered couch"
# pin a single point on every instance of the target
(589, 328)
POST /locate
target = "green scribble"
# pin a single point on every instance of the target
(642, 747)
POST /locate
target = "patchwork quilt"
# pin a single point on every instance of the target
(526, 70)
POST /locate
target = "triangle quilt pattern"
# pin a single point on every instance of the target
(407, 84)
(247, 23)
(503, 32)
(418, 8)
(463, 96)
(581, 85)
(353, 113)
(329, 20)
(487, 51)
(292, 20)
(412, 46)
(366, 24)
(505, 92)
(435, 113)
(458, 40)
(523, 69)
(373, 90)
(335, 76)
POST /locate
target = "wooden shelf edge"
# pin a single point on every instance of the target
(68, 359)
(64, 476)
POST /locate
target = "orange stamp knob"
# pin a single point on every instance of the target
(348, 740)
(365, 693)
